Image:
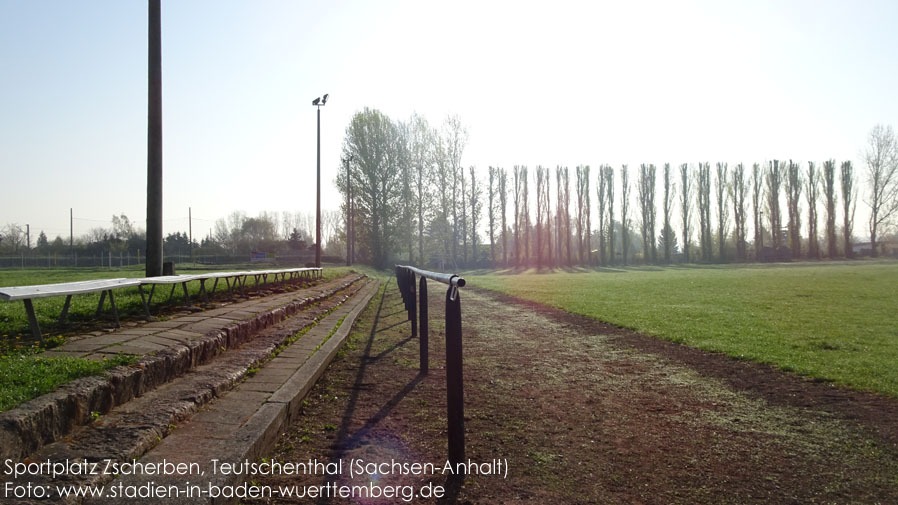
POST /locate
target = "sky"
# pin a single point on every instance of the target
(551, 83)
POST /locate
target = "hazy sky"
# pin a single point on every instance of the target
(535, 82)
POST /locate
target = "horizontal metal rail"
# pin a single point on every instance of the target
(451, 279)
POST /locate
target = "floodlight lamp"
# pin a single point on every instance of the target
(315, 101)
(324, 99)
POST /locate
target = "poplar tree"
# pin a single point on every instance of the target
(774, 183)
(667, 203)
(794, 185)
(624, 218)
(849, 194)
(601, 197)
(685, 206)
(812, 185)
(829, 193)
(738, 190)
(723, 216)
(757, 187)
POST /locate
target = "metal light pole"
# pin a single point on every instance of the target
(318, 102)
(154, 143)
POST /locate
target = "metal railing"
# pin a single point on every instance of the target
(455, 405)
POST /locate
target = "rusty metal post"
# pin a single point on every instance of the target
(422, 327)
(455, 402)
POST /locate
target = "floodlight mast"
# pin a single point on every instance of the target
(318, 102)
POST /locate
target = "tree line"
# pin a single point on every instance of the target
(284, 233)
(407, 197)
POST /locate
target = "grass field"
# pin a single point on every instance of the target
(834, 321)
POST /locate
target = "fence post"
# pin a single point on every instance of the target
(422, 327)
(455, 404)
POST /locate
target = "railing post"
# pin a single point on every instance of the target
(422, 327)
(412, 305)
(455, 404)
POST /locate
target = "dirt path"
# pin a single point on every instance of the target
(588, 413)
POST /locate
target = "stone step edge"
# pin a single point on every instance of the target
(47, 418)
(152, 434)
(259, 434)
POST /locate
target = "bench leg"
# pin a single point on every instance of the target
(203, 290)
(214, 285)
(150, 298)
(100, 305)
(146, 306)
(65, 310)
(118, 324)
(186, 296)
(172, 293)
(32, 320)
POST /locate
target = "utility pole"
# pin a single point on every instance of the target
(190, 230)
(28, 237)
(154, 141)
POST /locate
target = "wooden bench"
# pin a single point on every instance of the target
(68, 289)
(234, 280)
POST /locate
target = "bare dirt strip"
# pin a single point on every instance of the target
(590, 413)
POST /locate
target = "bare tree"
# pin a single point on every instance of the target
(503, 175)
(491, 192)
(475, 197)
(566, 220)
(624, 215)
(849, 203)
(685, 206)
(582, 210)
(703, 181)
(463, 203)
(601, 195)
(13, 236)
(774, 183)
(525, 208)
(539, 216)
(723, 216)
(456, 137)
(812, 184)
(609, 186)
(403, 154)
(757, 199)
(794, 184)
(666, 205)
(588, 211)
(646, 194)
(829, 193)
(519, 174)
(881, 158)
(738, 190)
(548, 214)
(421, 139)
(443, 180)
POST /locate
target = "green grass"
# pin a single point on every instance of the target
(14, 321)
(834, 321)
(26, 376)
